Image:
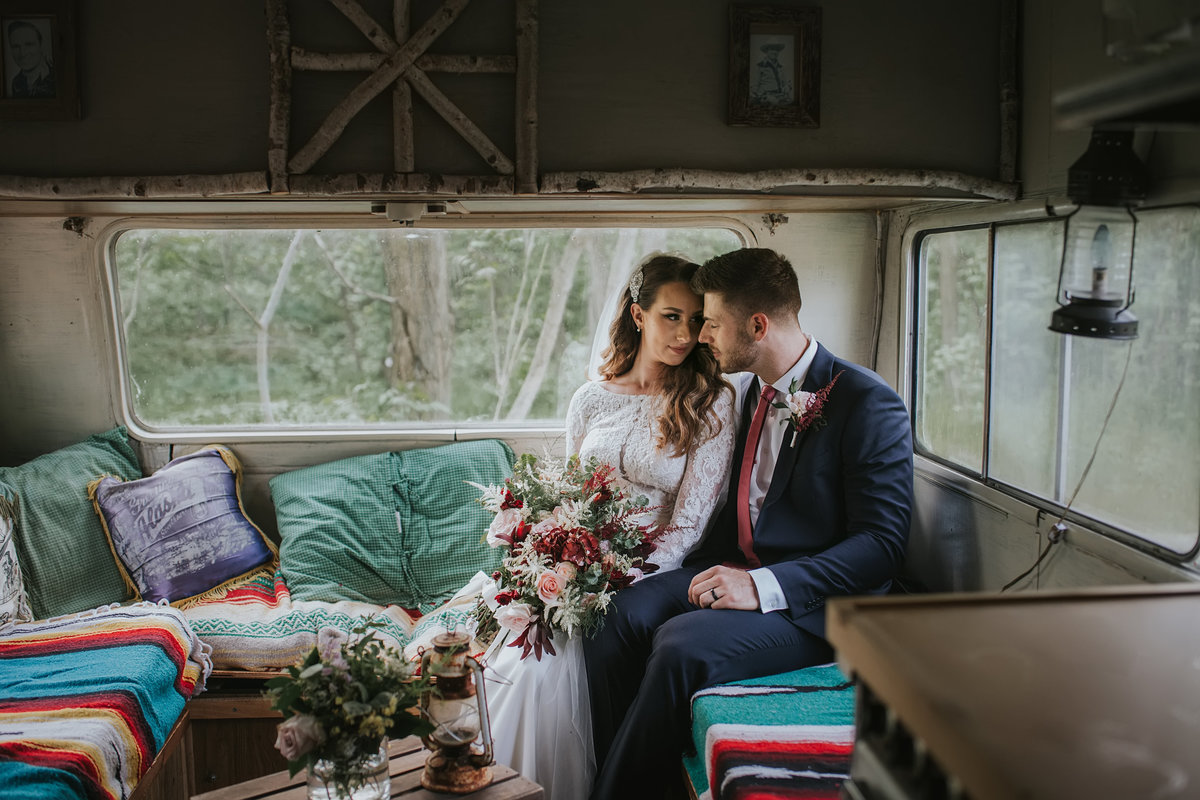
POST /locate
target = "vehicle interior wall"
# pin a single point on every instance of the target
(177, 88)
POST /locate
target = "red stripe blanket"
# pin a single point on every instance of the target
(87, 700)
(782, 736)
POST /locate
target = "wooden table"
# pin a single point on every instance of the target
(1082, 694)
(407, 763)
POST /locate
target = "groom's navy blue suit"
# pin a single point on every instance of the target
(834, 522)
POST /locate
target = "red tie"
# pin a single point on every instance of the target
(745, 529)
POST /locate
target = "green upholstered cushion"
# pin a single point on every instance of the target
(399, 528)
(67, 562)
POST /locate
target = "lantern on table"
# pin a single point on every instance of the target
(457, 707)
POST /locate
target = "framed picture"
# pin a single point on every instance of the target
(775, 66)
(38, 76)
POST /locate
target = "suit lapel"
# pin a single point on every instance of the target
(819, 374)
(749, 401)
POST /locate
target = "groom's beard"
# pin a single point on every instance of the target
(740, 355)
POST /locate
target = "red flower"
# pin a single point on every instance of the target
(806, 407)
(504, 598)
(510, 501)
(598, 485)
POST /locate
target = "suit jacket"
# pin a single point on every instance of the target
(836, 517)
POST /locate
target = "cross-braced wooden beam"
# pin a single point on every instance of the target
(402, 64)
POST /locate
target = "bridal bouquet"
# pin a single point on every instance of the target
(571, 540)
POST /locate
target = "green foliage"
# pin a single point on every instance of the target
(342, 699)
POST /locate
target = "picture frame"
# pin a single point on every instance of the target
(774, 66)
(38, 66)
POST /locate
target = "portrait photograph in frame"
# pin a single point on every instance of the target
(38, 73)
(774, 66)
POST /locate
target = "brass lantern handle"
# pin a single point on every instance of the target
(485, 758)
(426, 739)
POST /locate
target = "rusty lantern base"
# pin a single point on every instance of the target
(454, 775)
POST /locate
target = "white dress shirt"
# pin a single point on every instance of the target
(770, 442)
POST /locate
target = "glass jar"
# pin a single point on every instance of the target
(353, 778)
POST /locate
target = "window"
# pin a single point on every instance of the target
(352, 327)
(951, 345)
(1046, 395)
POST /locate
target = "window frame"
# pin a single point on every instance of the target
(925, 222)
(326, 217)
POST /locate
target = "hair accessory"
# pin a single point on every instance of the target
(635, 284)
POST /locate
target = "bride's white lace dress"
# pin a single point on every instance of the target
(541, 721)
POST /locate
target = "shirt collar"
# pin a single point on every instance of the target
(799, 370)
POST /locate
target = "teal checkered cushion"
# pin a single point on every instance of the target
(401, 528)
(66, 560)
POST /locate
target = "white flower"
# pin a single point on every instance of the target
(567, 514)
(797, 403)
(297, 736)
(492, 497)
(515, 616)
(329, 646)
(503, 525)
(490, 590)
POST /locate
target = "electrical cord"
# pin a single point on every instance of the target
(1058, 530)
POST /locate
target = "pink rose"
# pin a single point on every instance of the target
(549, 586)
(297, 736)
(514, 616)
(504, 524)
(566, 570)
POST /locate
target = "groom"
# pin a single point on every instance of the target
(819, 504)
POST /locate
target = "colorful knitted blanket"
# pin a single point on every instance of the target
(782, 736)
(87, 700)
(258, 625)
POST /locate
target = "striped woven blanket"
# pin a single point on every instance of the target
(258, 625)
(87, 700)
(782, 736)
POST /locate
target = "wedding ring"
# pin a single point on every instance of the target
(714, 594)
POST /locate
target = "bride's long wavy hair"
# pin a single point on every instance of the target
(689, 390)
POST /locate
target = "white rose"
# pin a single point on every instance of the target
(515, 616)
(297, 736)
(504, 524)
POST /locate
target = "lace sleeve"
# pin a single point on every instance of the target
(576, 423)
(701, 488)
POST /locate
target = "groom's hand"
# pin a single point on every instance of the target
(734, 588)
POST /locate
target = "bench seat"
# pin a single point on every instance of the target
(787, 736)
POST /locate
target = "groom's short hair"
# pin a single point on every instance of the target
(752, 280)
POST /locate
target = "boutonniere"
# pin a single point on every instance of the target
(805, 407)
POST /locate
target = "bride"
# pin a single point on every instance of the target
(662, 416)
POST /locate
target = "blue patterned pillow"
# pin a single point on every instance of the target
(182, 533)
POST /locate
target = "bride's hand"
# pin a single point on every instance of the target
(724, 587)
